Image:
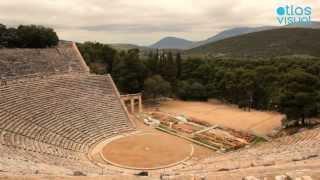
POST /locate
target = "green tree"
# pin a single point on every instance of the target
(156, 86)
(299, 96)
(188, 90)
(129, 72)
(248, 88)
(169, 72)
(33, 36)
(3, 29)
(197, 91)
(179, 64)
(109, 56)
(152, 63)
(10, 38)
(189, 67)
(100, 57)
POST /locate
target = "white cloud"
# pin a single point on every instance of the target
(143, 21)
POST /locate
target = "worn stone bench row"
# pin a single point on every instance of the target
(20, 62)
(85, 122)
(27, 161)
(60, 116)
(287, 149)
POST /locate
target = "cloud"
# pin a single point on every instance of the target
(141, 28)
(143, 21)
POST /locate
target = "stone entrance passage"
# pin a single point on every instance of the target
(132, 98)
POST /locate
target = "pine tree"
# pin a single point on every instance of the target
(179, 64)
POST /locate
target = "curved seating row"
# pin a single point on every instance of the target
(59, 116)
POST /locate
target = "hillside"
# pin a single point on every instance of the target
(172, 43)
(231, 33)
(181, 43)
(313, 24)
(269, 43)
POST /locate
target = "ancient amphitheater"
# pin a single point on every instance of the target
(56, 118)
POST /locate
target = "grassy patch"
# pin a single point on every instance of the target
(258, 140)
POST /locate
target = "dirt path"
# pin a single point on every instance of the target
(225, 115)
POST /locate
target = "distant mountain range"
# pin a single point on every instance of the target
(265, 44)
(183, 44)
(230, 33)
(172, 43)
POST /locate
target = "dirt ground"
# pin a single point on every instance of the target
(105, 177)
(225, 115)
(147, 150)
(152, 148)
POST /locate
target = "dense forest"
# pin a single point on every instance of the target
(27, 36)
(286, 84)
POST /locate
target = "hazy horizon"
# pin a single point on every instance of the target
(143, 22)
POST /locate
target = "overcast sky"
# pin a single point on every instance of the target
(143, 21)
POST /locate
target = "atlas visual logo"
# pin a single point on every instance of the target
(291, 14)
